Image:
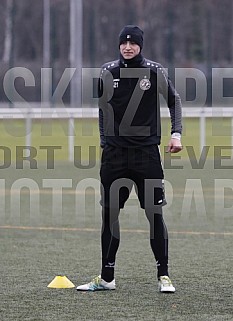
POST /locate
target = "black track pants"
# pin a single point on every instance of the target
(110, 239)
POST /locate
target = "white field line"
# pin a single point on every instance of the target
(207, 192)
(76, 229)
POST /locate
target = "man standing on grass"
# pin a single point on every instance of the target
(130, 134)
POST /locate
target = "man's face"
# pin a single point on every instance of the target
(129, 49)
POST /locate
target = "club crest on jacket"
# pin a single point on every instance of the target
(145, 84)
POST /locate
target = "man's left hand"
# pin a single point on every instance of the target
(174, 146)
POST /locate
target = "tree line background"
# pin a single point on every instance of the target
(178, 33)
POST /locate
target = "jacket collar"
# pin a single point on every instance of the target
(131, 63)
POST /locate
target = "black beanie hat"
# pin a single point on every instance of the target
(131, 33)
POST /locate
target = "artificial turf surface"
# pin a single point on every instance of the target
(48, 230)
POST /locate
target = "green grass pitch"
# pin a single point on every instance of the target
(55, 133)
(48, 231)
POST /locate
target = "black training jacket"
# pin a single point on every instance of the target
(129, 103)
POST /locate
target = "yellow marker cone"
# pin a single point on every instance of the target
(61, 282)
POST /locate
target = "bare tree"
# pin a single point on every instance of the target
(179, 33)
(8, 31)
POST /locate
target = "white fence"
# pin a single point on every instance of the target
(29, 114)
